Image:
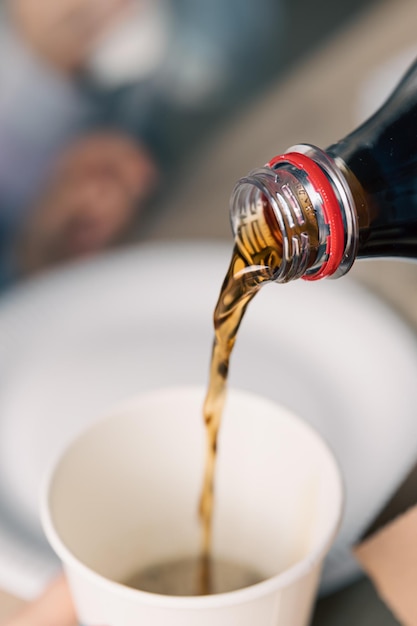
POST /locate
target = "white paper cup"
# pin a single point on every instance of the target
(125, 494)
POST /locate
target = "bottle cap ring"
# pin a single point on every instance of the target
(335, 244)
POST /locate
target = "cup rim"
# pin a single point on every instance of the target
(278, 581)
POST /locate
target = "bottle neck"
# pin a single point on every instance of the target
(307, 202)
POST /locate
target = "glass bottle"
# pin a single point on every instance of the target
(322, 209)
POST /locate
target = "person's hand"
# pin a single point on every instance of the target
(94, 194)
(64, 31)
(53, 608)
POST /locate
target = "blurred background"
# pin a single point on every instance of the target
(124, 122)
(107, 107)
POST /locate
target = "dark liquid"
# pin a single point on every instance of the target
(255, 257)
(182, 577)
(382, 155)
(241, 284)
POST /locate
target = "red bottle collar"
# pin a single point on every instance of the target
(331, 210)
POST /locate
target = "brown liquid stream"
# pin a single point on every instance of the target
(239, 287)
(256, 255)
(256, 258)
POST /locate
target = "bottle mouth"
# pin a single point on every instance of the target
(265, 214)
(303, 201)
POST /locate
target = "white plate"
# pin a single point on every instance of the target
(81, 339)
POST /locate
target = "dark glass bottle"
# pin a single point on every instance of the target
(356, 199)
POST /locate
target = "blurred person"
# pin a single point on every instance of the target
(66, 73)
(66, 188)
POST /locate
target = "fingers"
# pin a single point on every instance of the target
(96, 192)
(53, 608)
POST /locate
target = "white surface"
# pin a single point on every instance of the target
(80, 340)
(279, 499)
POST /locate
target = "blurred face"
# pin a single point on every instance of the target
(93, 196)
(64, 31)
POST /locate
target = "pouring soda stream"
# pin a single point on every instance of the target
(310, 213)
